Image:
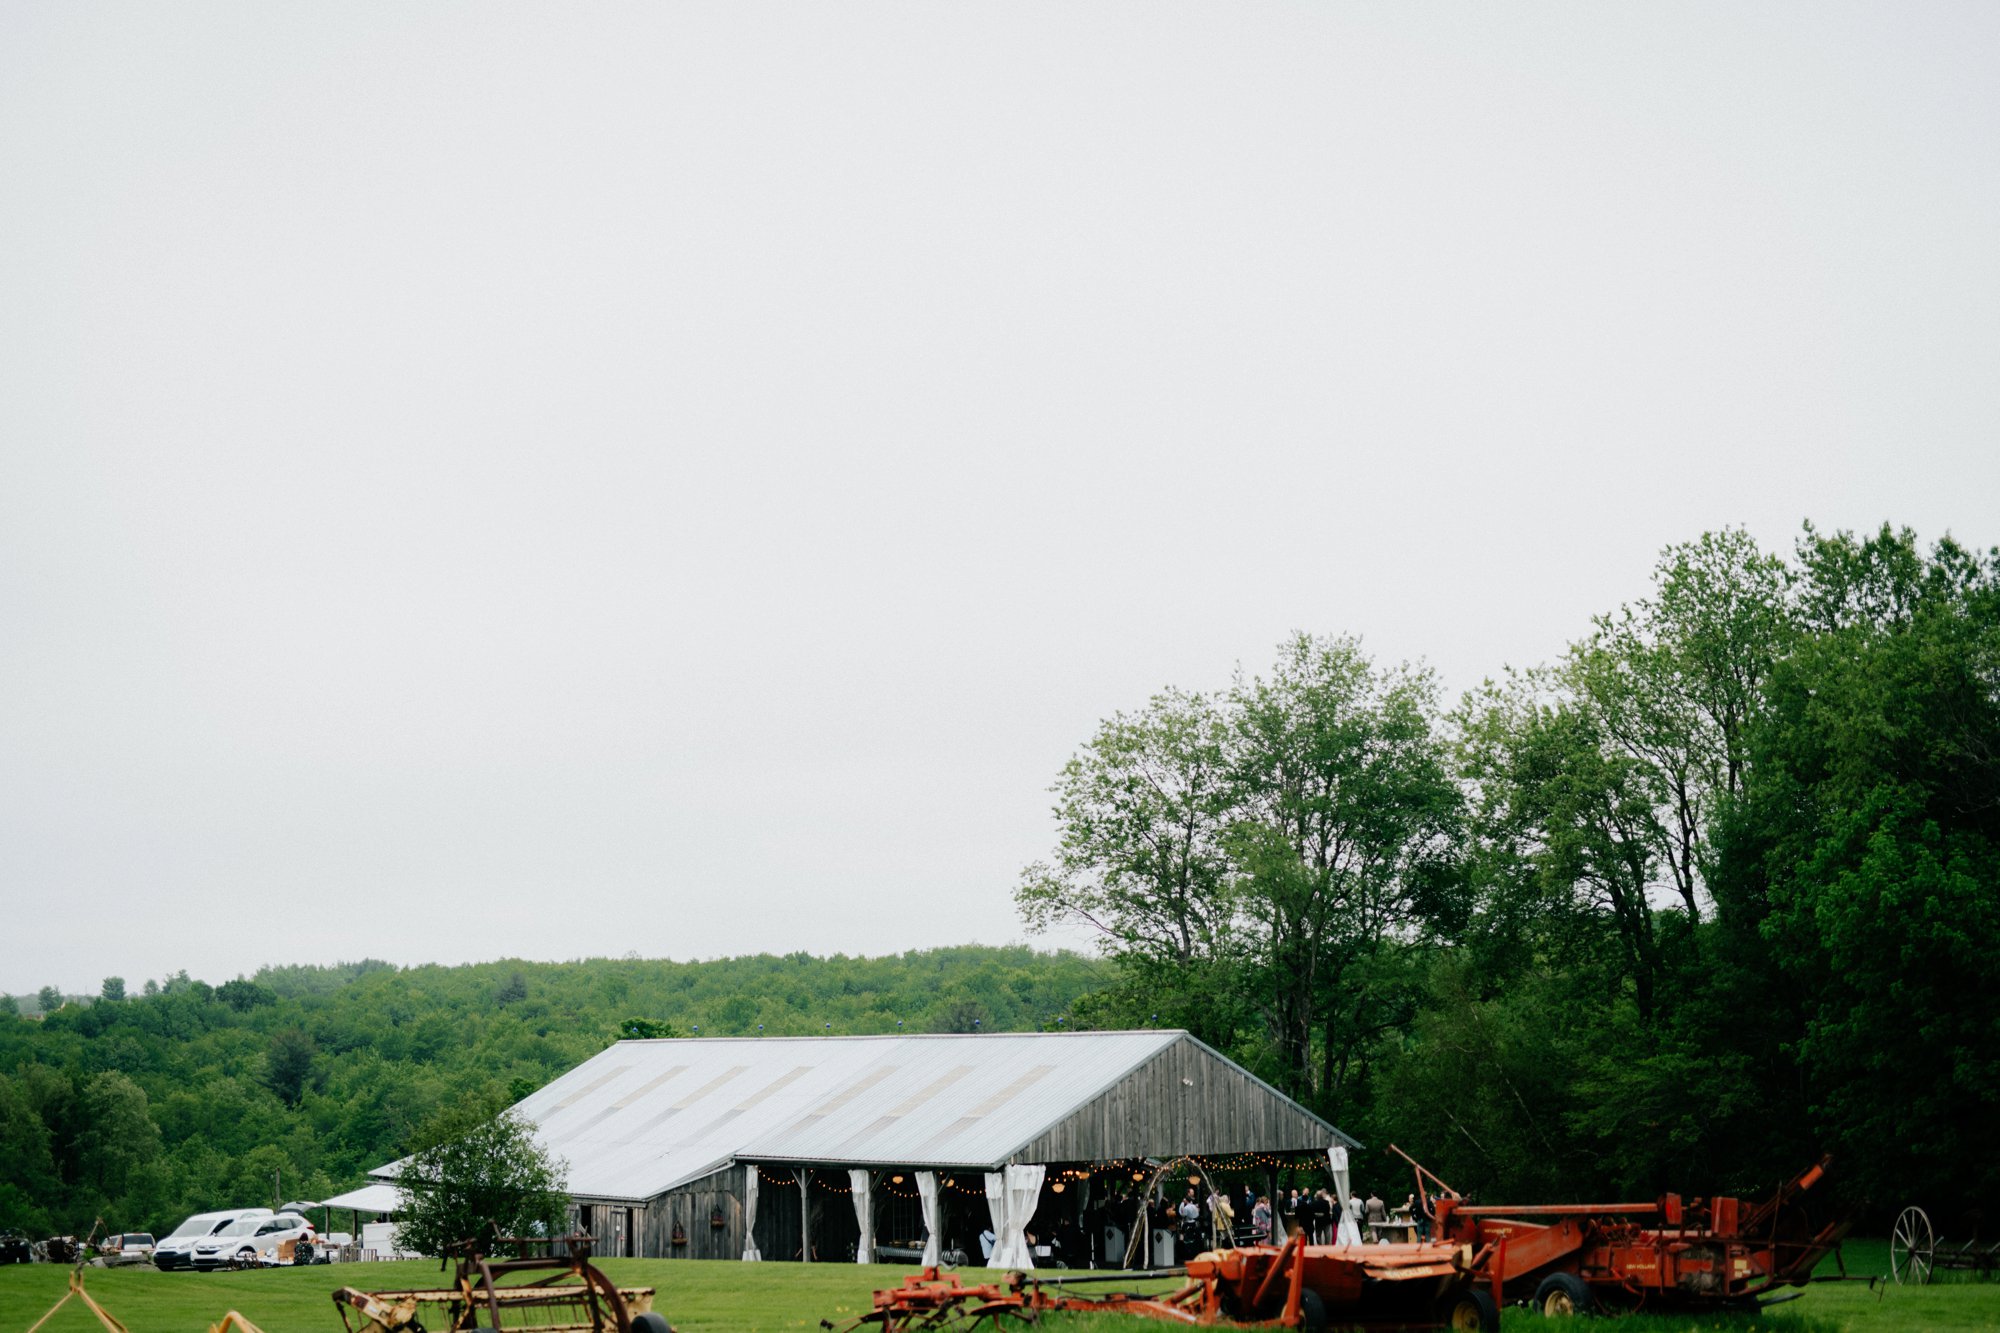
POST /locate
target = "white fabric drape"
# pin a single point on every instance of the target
(1012, 1195)
(996, 1206)
(927, 1198)
(864, 1213)
(750, 1255)
(1345, 1232)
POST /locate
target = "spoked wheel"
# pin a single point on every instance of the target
(1912, 1248)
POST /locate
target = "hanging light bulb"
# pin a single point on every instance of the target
(1057, 1187)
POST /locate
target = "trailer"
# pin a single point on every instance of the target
(1670, 1253)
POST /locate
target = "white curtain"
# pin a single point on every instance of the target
(750, 1255)
(996, 1205)
(1022, 1188)
(927, 1198)
(1345, 1231)
(864, 1213)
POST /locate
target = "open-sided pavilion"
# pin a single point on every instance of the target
(833, 1148)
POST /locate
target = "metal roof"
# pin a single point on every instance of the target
(641, 1117)
(371, 1198)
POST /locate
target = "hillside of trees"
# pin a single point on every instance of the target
(1715, 892)
(187, 1096)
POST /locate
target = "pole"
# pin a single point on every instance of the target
(805, 1216)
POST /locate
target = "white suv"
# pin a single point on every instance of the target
(177, 1250)
(253, 1240)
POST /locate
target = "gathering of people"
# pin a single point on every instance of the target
(1211, 1215)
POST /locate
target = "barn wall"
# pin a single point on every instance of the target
(1185, 1100)
(693, 1207)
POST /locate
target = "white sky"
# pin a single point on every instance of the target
(554, 480)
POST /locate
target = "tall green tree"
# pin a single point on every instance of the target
(1866, 852)
(477, 1169)
(1566, 826)
(288, 1064)
(1345, 837)
(1254, 861)
(1672, 682)
(1144, 814)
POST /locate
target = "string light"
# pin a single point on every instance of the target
(1058, 1178)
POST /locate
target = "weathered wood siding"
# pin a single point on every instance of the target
(693, 1207)
(1184, 1101)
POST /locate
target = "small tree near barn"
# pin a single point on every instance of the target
(478, 1169)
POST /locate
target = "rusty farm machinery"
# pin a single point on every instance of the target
(1671, 1253)
(1293, 1285)
(1696, 1255)
(550, 1286)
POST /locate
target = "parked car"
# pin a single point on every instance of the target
(253, 1240)
(177, 1250)
(126, 1247)
(16, 1250)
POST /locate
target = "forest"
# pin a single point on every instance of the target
(1713, 892)
(184, 1096)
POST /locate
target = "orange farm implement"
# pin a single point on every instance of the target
(1294, 1285)
(1698, 1254)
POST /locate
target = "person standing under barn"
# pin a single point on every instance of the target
(1221, 1218)
(1354, 1211)
(1312, 1216)
(1377, 1213)
(1260, 1220)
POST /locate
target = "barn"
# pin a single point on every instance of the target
(859, 1148)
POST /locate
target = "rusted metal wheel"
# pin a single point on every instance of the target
(1912, 1248)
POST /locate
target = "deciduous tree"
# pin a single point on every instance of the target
(477, 1169)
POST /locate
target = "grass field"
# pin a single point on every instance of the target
(711, 1297)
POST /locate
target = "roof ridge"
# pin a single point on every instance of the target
(897, 1036)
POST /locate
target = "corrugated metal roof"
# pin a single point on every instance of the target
(644, 1116)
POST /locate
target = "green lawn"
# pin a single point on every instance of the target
(711, 1297)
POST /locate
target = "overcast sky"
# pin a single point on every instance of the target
(548, 481)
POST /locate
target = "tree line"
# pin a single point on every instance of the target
(187, 1097)
(1716, 890)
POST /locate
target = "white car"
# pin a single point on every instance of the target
(253, 1240)
(177, 1250)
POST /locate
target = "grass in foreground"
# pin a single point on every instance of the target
(711, 1297)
